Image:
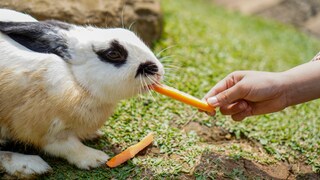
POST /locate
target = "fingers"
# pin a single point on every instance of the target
(257, 108)
(211, 113)
(208, 113)
(234, 108)
(224, 93)
(242, 115)
(226, 83)
(238, 111)
(228, 96)
(231, 109)
(219, 87)
(265, 107)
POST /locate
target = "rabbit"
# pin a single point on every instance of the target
(60, 82)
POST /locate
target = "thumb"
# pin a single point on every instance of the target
(227, 97)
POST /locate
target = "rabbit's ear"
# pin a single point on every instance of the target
(42, 37)
(59, 24)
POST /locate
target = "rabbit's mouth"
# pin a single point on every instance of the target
(148, 87)
(156, 80)
(151, 81)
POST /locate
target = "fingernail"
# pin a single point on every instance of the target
(213, 101)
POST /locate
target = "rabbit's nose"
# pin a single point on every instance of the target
(147, 68)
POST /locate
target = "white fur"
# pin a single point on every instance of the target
(10, 15)
(76, 153)
(104, 83)
(121, 83)
(22, 166)
(18, 165)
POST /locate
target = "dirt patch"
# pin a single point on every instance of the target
(149, 150)
(207, 134)
(221, 165)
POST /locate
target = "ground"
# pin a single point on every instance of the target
(205, 43)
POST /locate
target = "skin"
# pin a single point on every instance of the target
(247, 93)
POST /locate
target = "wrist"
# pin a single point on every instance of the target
(287, 88)
(301, 84)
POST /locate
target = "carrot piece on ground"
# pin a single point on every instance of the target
(183, 97)
(130, 152)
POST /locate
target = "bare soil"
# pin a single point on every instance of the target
(222, 166)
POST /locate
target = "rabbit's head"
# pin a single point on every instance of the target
(111, 64)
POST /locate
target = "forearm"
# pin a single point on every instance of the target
(302, 83)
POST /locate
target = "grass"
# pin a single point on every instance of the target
(209, 43)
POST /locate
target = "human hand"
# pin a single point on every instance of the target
(246, 93)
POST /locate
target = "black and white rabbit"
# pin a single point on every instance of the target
(60, 82)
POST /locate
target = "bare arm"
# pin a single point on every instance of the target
(246, 93)
(303, 83)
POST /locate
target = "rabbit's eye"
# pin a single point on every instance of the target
(116, 54)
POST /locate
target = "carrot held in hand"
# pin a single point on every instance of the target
(130, 152)
(183, 97)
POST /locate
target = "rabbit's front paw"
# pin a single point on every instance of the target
(77, 153)
(90, 158)
(94, 136)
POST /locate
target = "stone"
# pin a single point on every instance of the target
(142, 16)
(248, 6)
(294, 12)
(302, 14)
(313, 25)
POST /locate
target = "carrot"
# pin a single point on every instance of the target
(130, 152)
(183, 97)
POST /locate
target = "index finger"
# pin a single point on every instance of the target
(226, 83)
(222, 85)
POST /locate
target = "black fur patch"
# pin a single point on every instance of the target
(147, 68)
(116, 54)
(40, 37)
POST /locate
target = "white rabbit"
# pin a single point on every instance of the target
(60, 82)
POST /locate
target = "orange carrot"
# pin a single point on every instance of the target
(183, 97)
(130, 152)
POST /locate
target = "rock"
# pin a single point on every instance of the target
(248, 6)
(144, 16)
(313, 25)
(302, 14)
(294, 12)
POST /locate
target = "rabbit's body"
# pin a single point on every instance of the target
(30, 88)
(54, 100)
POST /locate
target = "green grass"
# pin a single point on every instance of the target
(209, 43)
